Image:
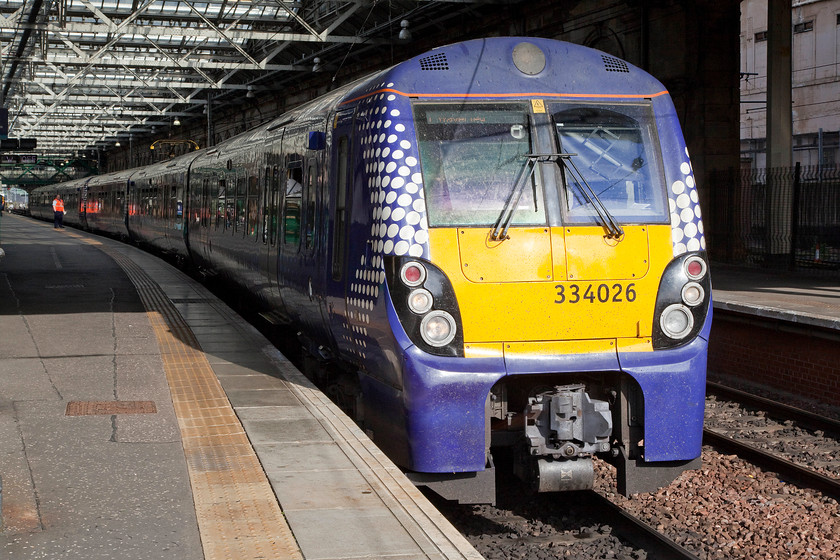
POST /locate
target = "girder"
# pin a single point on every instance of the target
(79, 74)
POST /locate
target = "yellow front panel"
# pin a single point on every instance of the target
(562, 309)
(591, 256)
(524, 257)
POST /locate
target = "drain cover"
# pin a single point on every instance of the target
(94, 408)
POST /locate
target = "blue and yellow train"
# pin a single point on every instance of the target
(496, 244)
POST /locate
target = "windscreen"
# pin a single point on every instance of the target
(616, 152)
(472, 156)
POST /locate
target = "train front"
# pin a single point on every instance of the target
(537, 221)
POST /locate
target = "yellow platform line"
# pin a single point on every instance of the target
(238, 514)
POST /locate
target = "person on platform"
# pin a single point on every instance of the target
(58, 208)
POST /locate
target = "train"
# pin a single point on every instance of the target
(494, 248)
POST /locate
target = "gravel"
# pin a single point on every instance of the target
(731, 509)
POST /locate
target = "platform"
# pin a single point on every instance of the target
(142, 418)
(803, 300)
(776, 332)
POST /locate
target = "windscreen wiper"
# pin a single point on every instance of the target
(502, 225)
(614, 230)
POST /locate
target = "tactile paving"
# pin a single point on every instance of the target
(238, 514)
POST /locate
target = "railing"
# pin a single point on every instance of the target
(786, 218)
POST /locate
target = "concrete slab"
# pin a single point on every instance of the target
(16, 342)
(350, 536)
(296, 457)
(25, 379)
(332, 489)
(84, 378)
(251, 382)
(286, 431)
(257, 368)
(295, 412)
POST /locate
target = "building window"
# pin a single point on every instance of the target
(760, 36)
(803, 26)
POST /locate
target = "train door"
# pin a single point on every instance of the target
(301, 265)
(339, 150)
(272, 202)
(312, 237)
(202, 219)
(132, 197)
(84, 194)
(192, 211)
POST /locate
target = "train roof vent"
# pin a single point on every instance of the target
(613, 64)
(434, 62)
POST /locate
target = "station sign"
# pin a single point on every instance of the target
(16, 159)
(12, 144)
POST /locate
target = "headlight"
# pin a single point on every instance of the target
(425, 302)
(683, 301)
(693, 294)
(420, 301)
(676, 321)
(438, 328)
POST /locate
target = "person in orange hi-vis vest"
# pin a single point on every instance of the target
(58, 208)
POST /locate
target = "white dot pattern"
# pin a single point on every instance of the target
(399, 226)
(686, 225)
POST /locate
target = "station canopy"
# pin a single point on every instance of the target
(81, 74)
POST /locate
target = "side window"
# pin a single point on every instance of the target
(311, 204)
(220, 204)
(291, 210)
(209, 204)
(270, 206)
(339, 233)
(230, 204)
(241, 184)
(253, 205)
(178, 204)
(164, 201)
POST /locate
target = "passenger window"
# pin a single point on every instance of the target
(273, 203)
(291, 212)
(240, 205)
(253, 205)
(220, 204)
(206, 207)
(230, 204)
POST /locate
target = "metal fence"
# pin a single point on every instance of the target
(785, 218)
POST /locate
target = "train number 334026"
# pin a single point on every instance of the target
(601, 293)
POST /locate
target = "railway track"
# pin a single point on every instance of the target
(577, 525)
(803, 417)
(790, 418)
(640, 534)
